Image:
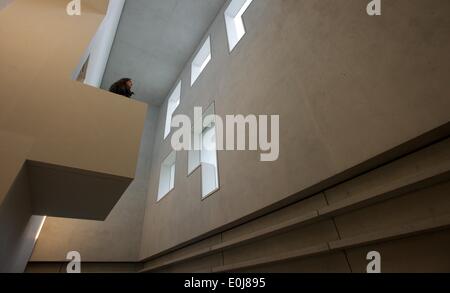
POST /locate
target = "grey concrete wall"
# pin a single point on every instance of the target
(118, 238)
(18, 228)
(348, 88)
(372, 212)
(15, 212)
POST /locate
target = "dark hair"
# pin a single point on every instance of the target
(120, 87)
(125, 80)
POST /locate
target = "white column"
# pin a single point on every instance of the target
(101, 45)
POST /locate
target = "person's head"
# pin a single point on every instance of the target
(126, 82)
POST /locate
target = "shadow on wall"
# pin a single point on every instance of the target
(22, 230)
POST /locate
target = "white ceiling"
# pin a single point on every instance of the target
(154, 40)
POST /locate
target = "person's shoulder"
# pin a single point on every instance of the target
(113, 87)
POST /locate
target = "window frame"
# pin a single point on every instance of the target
(210, 110)
(176, 93)
(199, 164)
(199, 64)
(233, 21)
(171, 180)
(217, 188)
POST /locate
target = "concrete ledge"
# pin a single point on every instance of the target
(268, 232)
(362, 240)
(418, 181)
(397, 188)
(309, 251)
(59, 191)
(197, 254)
(394, 233)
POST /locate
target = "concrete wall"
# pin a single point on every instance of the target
(117, 239)
(349, 88)
(15, 211)
(401, 210)
(354, 94)
(53, 129)
(51, 112)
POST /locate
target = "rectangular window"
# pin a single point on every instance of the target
(194, 155)
(167, 176)
(172, 105)
(234, 21)
(210, 175)
(205, 156)
(208, 155)
(201, 60)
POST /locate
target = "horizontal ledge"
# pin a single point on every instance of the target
(74, 170)
(199, 253)
(362, 240)
(421, 180)
(394, 233)
(309, 251)
(267, 232)
(264, 233)
(406, 185)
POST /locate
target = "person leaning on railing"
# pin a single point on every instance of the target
(123, 87)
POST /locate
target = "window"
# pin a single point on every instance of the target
(210, 176)
(234, 22)
(167, 176)
(208, 155)
(193, 154)
(172, 105)
(201, 60)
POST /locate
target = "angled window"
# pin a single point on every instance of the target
(201, 60)
(204, 153)
(193, 154)
(234, 21)
(208, 155)
(172, 105)
(167, 176)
